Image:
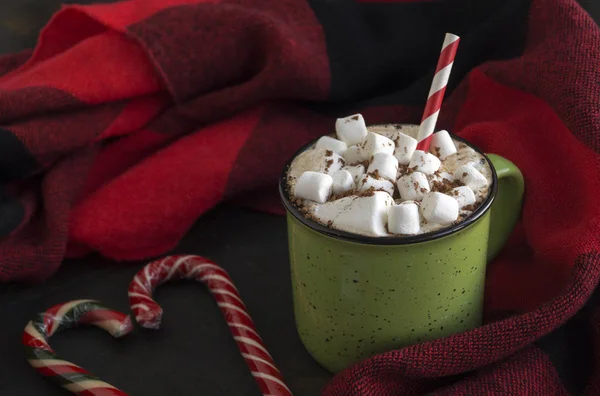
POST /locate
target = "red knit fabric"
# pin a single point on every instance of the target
(130, 120)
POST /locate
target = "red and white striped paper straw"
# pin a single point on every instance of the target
(149, 314)
(436, 93)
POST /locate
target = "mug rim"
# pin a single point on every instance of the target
(391, 240)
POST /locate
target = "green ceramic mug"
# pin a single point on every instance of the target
(356, 296)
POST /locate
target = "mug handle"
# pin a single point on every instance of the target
(506, 208)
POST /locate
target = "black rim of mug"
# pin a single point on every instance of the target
(392, 240)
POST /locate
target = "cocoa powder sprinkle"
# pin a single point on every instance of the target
(369, 192)
(310, 216)
(348, 193)
(445, 186)
(375, 174)
(403, 170)
(328, 164)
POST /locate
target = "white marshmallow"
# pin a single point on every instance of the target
(329, 143)
(357, 171)
(440, 177)
(425, 162)
(442, 144)
(404, 219)
(405, 148)
(354, 155)
(342, 181)
(376, 143)
(317, 160)
(464, 195)
(333, 163)
(413, 186)
(314, 186)
(352, 129)
(378, 184)
(471, 177)
(360, 215)
(439, 208)
(385, 164)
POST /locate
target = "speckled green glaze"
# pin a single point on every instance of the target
(353, 300)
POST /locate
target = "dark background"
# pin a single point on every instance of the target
(193, 353)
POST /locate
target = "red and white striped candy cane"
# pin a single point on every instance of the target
(436, 93)
(149, 314)
(66, 374)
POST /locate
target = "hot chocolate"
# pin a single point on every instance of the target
(373, 181)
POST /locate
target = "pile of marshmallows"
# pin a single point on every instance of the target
(356, 145)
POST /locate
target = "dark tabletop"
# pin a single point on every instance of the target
(193, 352)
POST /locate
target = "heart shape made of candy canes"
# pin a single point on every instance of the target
(149, 314)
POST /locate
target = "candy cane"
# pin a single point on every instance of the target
(68, 375)
(149, 314)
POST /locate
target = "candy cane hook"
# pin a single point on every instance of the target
(63, 316)
(149, 314)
